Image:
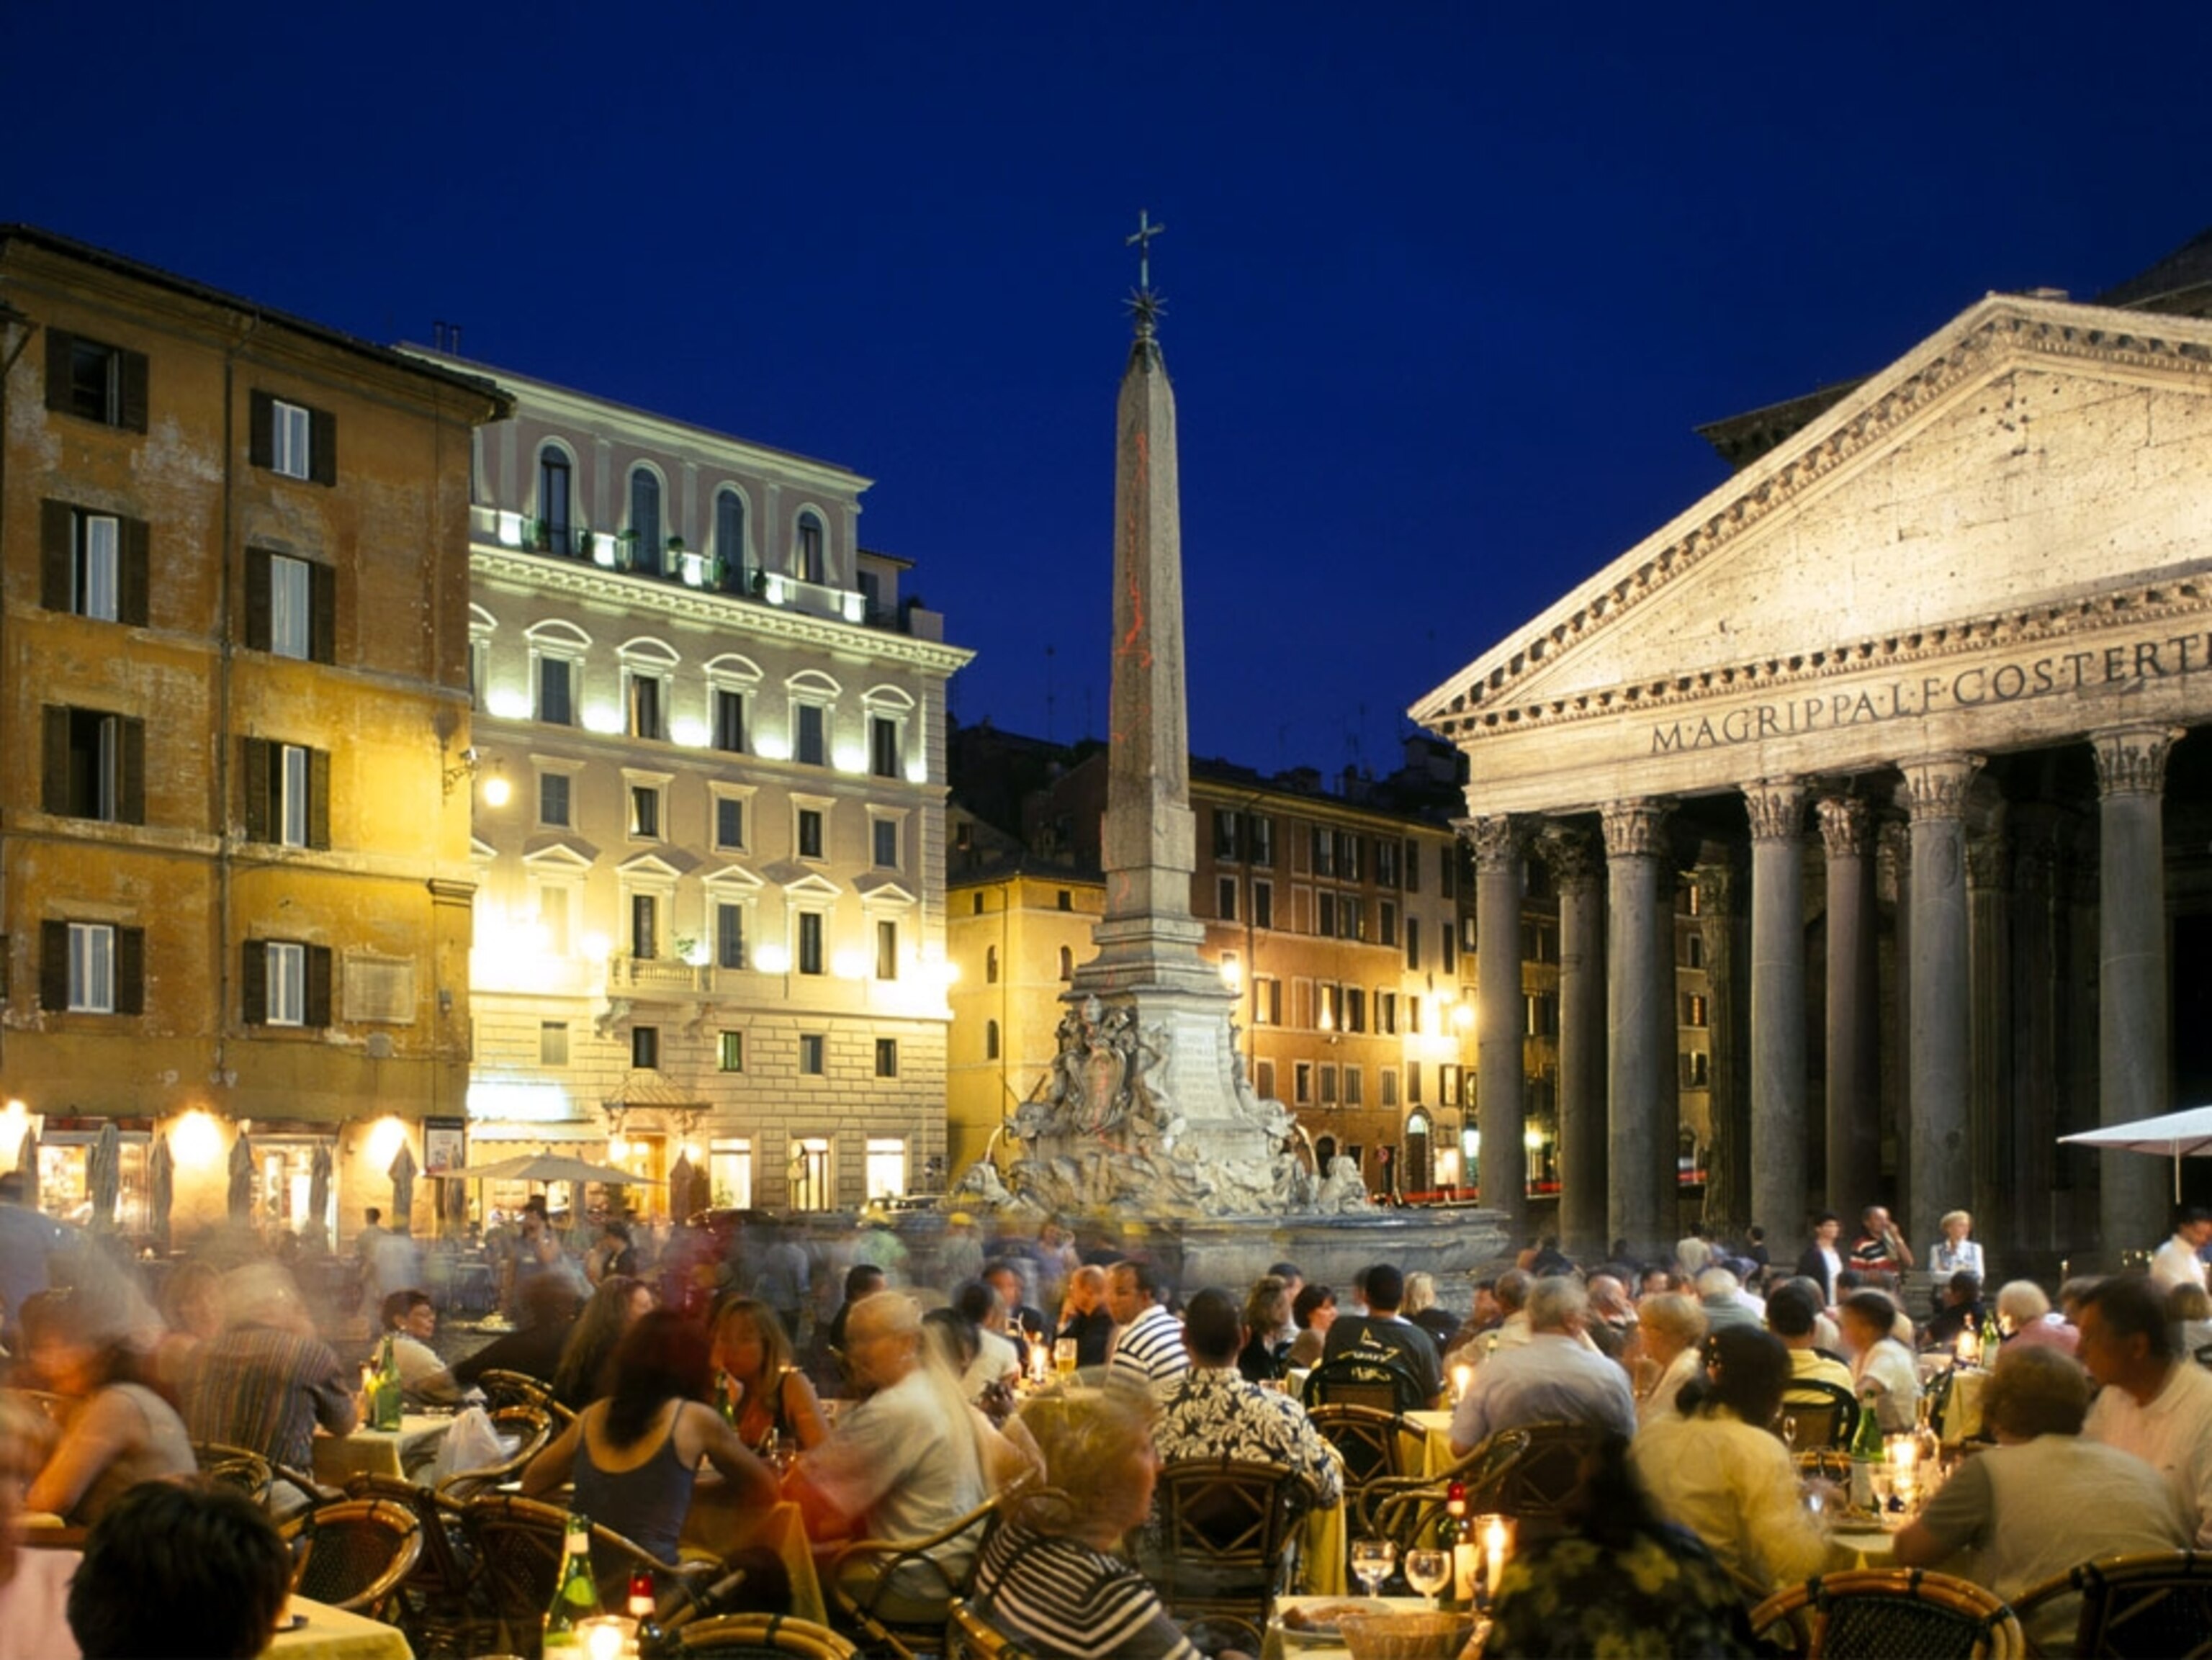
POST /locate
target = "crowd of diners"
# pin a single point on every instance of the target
(901, 1408)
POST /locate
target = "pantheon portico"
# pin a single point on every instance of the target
(1899, 709)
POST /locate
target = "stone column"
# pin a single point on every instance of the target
(1641, 1191)
(1854, 1030)
(1778, 1004)
(1500, 1019)
(1573, 862)
(1936, 1170)
(1721, 931)
(2133, 1047)
(1991, 1109)
(2038, 1048)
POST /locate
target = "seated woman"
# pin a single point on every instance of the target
(1670, 1335)
(1720, 1472)
(1267, 1322)
(1049, 1578)
(124, 1434)
(191, 1307)
(582, 1375)
(1624, 1581)
(635, 1455)
(769, 1394)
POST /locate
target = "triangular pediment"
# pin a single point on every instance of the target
(2031, 454)
(880, 889)
(796, 878)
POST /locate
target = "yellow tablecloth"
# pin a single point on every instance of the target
(1436, 1453)
(1860, 1547)
(1321, 1552)
(379, 1451)
(717, 1525)
(333, 1634)
(1962, 1415)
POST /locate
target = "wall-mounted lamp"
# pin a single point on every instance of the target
(497, 789)
(466, 766)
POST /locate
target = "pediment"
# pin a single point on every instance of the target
(656, 867)
(796, 878)
(2030, 457)
(733, 876)
(882, 889)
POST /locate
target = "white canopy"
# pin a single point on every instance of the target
(2175, 1135)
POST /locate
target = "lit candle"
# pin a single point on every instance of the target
(1493, 1552)
(606, 1637)
(1969, 1350)
(1462, 1375)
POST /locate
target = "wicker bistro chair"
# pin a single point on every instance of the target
(234, 1467)
(1223, 1536)
(1875, 1614)
(754, 1636)
(354, 1554)
(1533, 1487)
(1351, 1381)
(519, 1389)
(2156, 1604)
(967, 1636)
(1826, 1414)
(1372, 1443)
(871, 1584)
(517, 1543)
(1405, 1511)
(436, 1605)
(529, 1428)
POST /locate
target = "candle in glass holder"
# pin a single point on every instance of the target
(1904, 1460)
(1462, 1375)
(1491, 1530)
(1968, 1347)
(607, 1637)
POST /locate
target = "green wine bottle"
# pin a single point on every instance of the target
(575, 1593)
(388, 1399)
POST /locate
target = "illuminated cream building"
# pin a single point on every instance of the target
(233, 602)
(708, 776)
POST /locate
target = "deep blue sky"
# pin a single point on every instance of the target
(1447, 288)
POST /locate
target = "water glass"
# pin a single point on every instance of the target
(1428, 1572)
(1064, 1356)
(1371, 1559)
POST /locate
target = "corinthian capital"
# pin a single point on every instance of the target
(1776, 808)
(1499, 841)
(2132, 759)
(1846, 826)
(1935, 788)
(1572, 857)
(1635, 828)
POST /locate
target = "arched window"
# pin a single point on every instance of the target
(1067, 963)
(730, 539)
(645, 521)
(1417, 1175)
(812, 564)
(990, 965)
(553, 501)
(990, 1040)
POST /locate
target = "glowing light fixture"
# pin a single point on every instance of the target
(508, 705)
(602, 718)
(848, 965)
(688, 733)
(497, 789)
(196, 1139)
(773, 959)
(383, 1142)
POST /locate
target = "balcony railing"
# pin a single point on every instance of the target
(627, 974)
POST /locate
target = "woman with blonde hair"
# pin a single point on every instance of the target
(1954, 1253)
(760, 1382)
(1670, 1330)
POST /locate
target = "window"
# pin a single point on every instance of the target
(1225, 900)
(91, 967)
(1067, 962)
(886, 950)
(292, 440)
(645, 1048)
(288, 794)
(553, 499)
(1386, 931)
(556, 691)
(1266, 1001)
(1330, 1016)
(729, 721)
(644, 535)
(884, 747)
(1263, 905)
(1260, 839)
(1386, 1013)
(94, 766)
(291, 607)
(286, 983)
(644, 927)
(809, 832)
(809, 942)
(556, 906)
(1697, 1069)
(1351, 918)
(813, 1051)
(1328, 1083)
(1301, 1083)
(552, 1043)
(729, 821)
(811, 564)
(645, 811)
(1064, 900)
(730, 1162)
(886, 1156)
(1542, 1012)
(730, 539)
(1449, 964)
(95, 382)
(1694, 949)
(1349, 861)
(1355, 1088)
(1413, 941)
(93, 564)
(886, 1060)
(1263, 1079)
(730, 935)
(1325, 915)
(1227, 842)
(885, 833)
(730, 1051)
(553, 800)
(1323, 847)
(1389, 1097)
(1386, 864)
(1412, 1083)
(990, 1040)
(1447, 870)
(1355, 1008)
(990, 963)
(812, 743)
(1695, 1010)
(1466, 934)
(1413, 866)
(810, 1170)
(1448, 1079)
(648, 695)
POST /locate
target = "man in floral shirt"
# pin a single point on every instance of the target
(1212, 1411)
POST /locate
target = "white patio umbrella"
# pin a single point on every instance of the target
(403, 1173)
(2175, 1135)
(549, 1167)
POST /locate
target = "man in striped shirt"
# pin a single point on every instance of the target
(1147, 1339)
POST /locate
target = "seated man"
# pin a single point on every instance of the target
(2045, 1497)
(1085, 1318)
(268, 1380)
(1881, 1365)
(1147, 1339)
(2030, 1321)
(1212, 1411)
(179, 1571)
(1383, 1335)
(1551, 1377)
(1793, 1316)
(2156, 1402)
(1961, 1311)
(548, 1304)
(412, 1320)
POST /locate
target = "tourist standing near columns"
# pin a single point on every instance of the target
(1880, 1248)
(1822, 1261)
(2177, 1262)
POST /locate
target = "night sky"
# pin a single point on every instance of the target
(1447, 288)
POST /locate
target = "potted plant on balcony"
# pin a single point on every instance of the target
(626, 549)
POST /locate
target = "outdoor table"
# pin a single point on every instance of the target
(718, 1523)
(331, 1633)
(380, 1451)
(1962, 1413)
(1862, 1545)
(1276, 1644)
(1435, 1455)
(1321, 1551)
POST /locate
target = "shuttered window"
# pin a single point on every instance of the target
(94, 381)
(285, 983)
(94, 766)
(291, 605)
(92, 967)
(93, 564)
(292, 439)
(288, 793)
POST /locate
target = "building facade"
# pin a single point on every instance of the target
(709, 786)
(1908, 698)
(233, 892)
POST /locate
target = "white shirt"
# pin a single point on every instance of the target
(1659, 1402)
(1946, 1259)
(1890, 1365)
(1736, 1487)
(2172, 1435)
(2176, 1264)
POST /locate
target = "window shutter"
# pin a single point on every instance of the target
(134, 593)
(131, 371)
(257, 600)
(131, 809)
(322, 446)
(55, 795)
(323, 628)
(261, 449)
(319, 798)
(254, 768)
(59, 348)
(129, 971)
(319, 985)
(57, 554)
(53, 965)
(253, 983)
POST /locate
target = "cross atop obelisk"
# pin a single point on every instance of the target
(1145, 304)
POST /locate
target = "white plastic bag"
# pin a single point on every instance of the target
(470, 1444)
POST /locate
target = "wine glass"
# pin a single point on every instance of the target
(1371, 1559)
(1428, 1572)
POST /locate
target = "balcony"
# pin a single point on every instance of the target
(628, 976)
